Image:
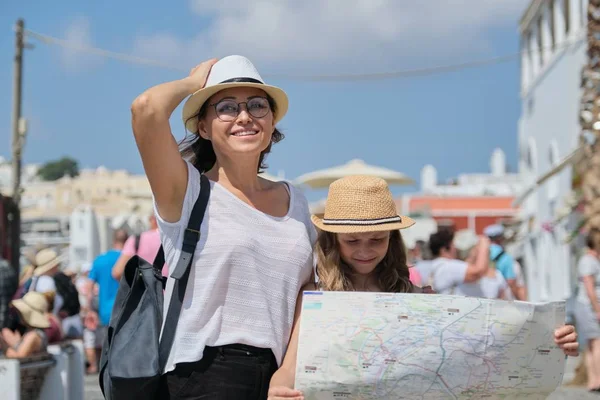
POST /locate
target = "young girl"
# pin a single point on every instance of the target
(360, 248)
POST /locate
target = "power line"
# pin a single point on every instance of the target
(336, 77)
(99, 52)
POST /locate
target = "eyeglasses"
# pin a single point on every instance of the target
(227, 110)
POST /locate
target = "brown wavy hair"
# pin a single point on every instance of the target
(201, 153)
(50, 297)
(334, 274)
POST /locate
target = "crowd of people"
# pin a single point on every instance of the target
(258, 249)
(468, 265)
(49, 303)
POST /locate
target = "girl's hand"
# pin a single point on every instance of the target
(566, 338)
(428, 290)
(282, 392)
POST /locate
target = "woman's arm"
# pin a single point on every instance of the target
(480, 267)
(30, 344)
(164, 167)
(282, 382)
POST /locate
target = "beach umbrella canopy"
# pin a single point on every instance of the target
(323, 178)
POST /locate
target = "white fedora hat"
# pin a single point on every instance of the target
(230, 72)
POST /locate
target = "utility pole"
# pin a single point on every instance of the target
(17, 125)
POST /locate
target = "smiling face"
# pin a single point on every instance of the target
(235, 129)
(363, 251)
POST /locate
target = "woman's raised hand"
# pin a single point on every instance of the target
(199, 74)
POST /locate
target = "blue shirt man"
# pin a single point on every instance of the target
(101, 273)
(505, 262)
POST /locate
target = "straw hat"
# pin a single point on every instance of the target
(33, 308)
(45, 260)
(231, 72)
(360, 204)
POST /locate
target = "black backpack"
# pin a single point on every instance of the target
(135, 353)
(67, 290)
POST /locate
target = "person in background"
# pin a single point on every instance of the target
(47, 264)
(101, 274)
(8, 288)
(447, 272)
(520, 281)
(146, 246)
(54, 332)
(413, 257)
(587, 308)
(30, 338)
(503, 261)
(422, 260)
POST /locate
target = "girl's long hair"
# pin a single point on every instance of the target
(335, 275)
(201, 153)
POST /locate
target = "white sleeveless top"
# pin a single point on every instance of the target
(246, 274)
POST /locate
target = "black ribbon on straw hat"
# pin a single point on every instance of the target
(375, 221)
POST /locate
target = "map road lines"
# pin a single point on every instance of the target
(421, 346)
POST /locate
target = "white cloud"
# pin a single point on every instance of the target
(78, 35)
(351, 33)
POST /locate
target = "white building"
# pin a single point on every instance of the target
(499, 182)
(554, 51)
(28, 175)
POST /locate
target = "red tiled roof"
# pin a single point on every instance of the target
(472, 203)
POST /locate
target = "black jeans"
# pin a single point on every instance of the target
(235, 372)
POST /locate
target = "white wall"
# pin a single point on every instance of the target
(549, 119)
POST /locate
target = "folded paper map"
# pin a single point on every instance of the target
(368, 346)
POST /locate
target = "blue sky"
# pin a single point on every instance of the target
(78, 105)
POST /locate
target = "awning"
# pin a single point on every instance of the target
(568, 160)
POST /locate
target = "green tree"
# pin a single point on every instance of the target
(56, 169)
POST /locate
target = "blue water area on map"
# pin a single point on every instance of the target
(312, 306)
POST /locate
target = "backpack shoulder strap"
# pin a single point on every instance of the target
(137, 243)
(499, 256)
(181, 272)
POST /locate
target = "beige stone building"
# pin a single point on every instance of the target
(109, 193)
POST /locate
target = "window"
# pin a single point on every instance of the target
(529, 55)
(567, 14)
(531, 156)
(540, 45)
(553, 182)
(552, 27)
(530, 105)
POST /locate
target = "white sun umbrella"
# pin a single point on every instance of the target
(323, 178)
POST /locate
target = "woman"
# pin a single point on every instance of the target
(360, 248)
(256, 243)
(587, 309)
(30, 337)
